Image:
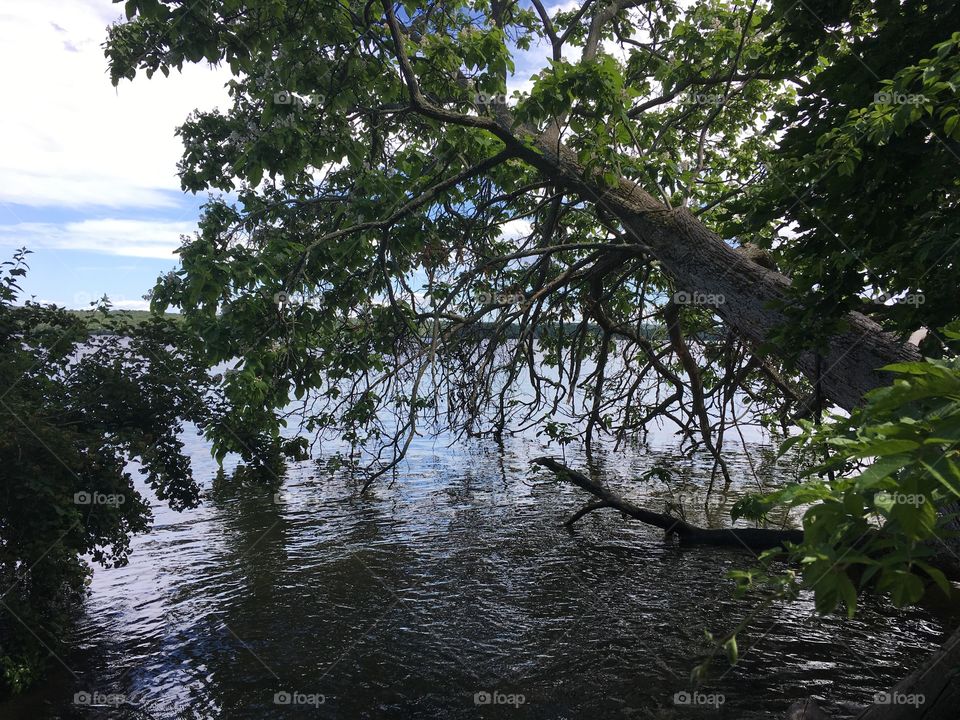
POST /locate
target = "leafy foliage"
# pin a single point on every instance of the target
(392, 270)
(77, 413)
(394, 260)
(873, 119)
(881, 504)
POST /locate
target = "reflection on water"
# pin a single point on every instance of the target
(454, 585)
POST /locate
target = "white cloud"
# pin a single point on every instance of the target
(565, 6)
(85, 300)
(133, 238)
(71, 139)
(516, 229)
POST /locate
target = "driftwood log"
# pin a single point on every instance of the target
(751, 538)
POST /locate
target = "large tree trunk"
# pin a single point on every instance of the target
(696, 258)
(699, 261)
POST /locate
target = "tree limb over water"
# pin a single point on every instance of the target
(750, 538)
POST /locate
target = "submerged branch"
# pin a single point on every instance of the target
(750, 538)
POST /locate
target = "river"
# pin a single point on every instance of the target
(451, 592)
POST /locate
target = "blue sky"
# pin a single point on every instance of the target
(88, 172)
(80, 254)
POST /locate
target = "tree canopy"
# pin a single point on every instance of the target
(482, 217)
(701, 215)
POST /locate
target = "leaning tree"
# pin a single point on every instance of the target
(482, 216)
(407, 227)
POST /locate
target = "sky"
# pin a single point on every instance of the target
(88, 172)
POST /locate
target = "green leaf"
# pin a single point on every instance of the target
(880, 470)
(731, 647)
(938, 577)
(951, 124)
(848, 592)
(904, 587)
(940, 478)
(883, 446)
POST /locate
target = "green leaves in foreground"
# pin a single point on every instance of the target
(880, 508)
(76, 407)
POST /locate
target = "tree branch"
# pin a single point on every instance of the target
(750, 538)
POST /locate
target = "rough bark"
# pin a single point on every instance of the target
(694, 256)
(751, 538)
(699, 261)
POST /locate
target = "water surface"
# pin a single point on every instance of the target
(451, 585)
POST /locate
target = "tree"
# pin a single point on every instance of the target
(409, 241)
(74, 411)
(384, 176)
